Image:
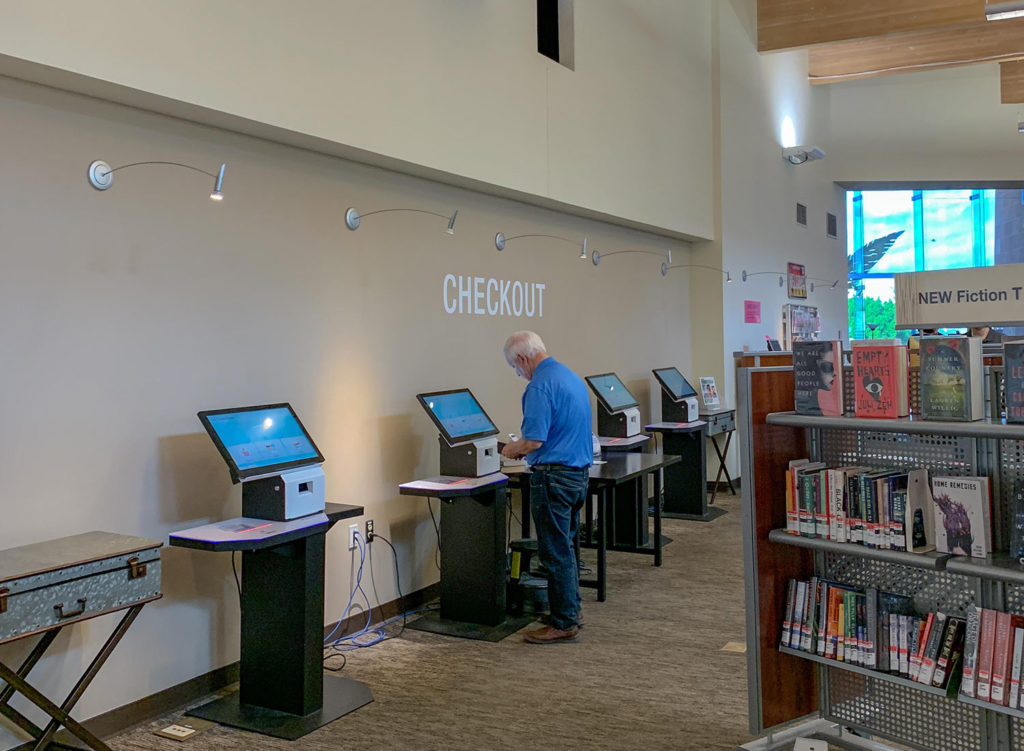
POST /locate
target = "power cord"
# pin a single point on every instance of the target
(238, 584)
(437, 531)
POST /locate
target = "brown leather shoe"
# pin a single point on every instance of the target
(552, 635)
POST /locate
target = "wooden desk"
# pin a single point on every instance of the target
(48, 586)
(617, 471)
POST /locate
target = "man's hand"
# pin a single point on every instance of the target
(519, 448)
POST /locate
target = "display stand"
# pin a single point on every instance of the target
(686, 485)
(282, 691)
(787, 685)
(721, 421)
(473, 558)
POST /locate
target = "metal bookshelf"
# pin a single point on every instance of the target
(885, 707)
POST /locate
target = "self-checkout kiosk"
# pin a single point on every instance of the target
(618, 413)
(472, 527)
(467, 437)
(618, 416)
(678, 397)
(282, 689)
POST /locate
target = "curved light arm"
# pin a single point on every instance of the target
(744, 275)
(728, 276)
(500, 241)
(353, 217)
(101, 174)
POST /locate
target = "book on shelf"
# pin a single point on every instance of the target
(880, 378)
(1013, 374)
(952, 642)
(1018, 653)
(962, 515)
(951, 378)
(818, 377)
(930, 653)
(986, 655)
(972, 634)
(1002, 659)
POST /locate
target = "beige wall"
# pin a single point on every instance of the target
(454, 87)
(127, 311)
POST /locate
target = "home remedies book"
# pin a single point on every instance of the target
(818, 378)
(962, 515)
(951, 378)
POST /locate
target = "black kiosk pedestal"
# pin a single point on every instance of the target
(282, 689)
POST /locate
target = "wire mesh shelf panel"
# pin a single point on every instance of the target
(941, 454)
(931, 590)
(903, 714)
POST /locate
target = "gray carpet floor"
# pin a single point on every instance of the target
(648, 672)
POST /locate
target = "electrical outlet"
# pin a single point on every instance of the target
(369, 530)
(353, 530)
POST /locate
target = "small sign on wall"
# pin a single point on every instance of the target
(797, 281)
(751, 311)
(980, 296)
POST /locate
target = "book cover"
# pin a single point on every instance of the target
(951, 378)
(917, 637)
(871, 628)
(962, 515)
(818, 378)
(1013, 372)
(880, 373)
(970, 663)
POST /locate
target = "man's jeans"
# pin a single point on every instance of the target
(556, 496)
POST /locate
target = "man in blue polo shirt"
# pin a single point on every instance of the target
(556, 441)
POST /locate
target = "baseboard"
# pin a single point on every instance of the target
(190, 691)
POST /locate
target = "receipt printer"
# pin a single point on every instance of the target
(284, 496)
(470, 458)
(621, 424)
(681, 410)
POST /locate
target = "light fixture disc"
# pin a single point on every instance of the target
(352, 219)
(499, 241)
(743, 276)
(664, 269)
(100, 175)
(595, 256)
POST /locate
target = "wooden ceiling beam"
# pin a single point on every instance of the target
(985, 41)
(785, 24)
(1011, 82)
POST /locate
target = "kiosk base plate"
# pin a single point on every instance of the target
(435, 624)
(341, 696)
(712, 513)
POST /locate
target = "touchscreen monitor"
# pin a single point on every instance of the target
(674, 384)
(611, 392)
(260, 440)
(458, 415)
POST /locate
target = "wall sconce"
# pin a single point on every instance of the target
(801, 154)
(596, 257)
(101, 175)
(728, 276)
(782, 280)
(999, 11)
(500, 241)
(830, 282)
(353, 218)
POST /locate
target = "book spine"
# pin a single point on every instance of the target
(821, 505)
(930, 656)
(821, 619)
(832, 630)
(792, 514)
(807, 505)
(787, 620)
(836, 491)
(871, 628)
(882, 647)
(798, 615)
(870, 512)
(841, 631)
(850, 627)
(1001, 657)
(807, 629)
(1018, 652)
(904, 650)
(894, 643)
(986, 652)
(972, 632)
(950, 641)
(922, 626)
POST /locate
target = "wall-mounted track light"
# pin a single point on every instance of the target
(596, 257)
(353, 218)
(782, 277)
(500, 241)
(101, 175)
(728, 276)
